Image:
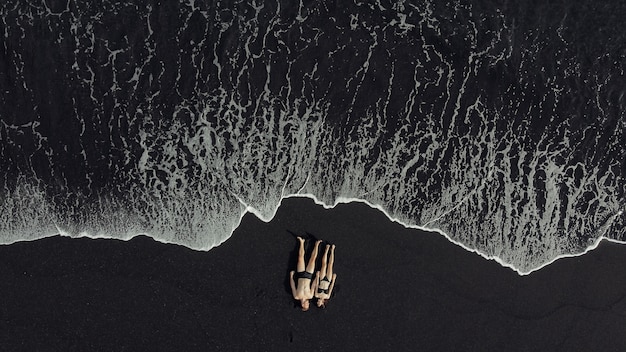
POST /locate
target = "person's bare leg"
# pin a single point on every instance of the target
(324, 261)
(331, 261)
(300, 265)
(311, 266)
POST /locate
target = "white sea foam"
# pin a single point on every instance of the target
(269, 217)
(341, 200)
(404, 116)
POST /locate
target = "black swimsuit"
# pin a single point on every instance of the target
(323, 290)
(303, 275)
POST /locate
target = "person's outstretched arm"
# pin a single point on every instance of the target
(315, 282)
(292, 284)
(332, 284)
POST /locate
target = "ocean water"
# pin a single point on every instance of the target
(499, 124)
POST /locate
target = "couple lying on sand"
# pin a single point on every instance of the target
(300, 281)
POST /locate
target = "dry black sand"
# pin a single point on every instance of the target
(397, 290)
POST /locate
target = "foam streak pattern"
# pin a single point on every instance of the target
(502, 126)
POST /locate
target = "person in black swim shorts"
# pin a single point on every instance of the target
(301, 281)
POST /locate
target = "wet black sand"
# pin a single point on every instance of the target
(398, 289)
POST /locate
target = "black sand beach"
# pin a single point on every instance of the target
(397, 290)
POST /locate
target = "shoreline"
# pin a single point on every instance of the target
(397, 288)
(342, 201)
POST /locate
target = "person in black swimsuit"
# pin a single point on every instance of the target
(302, 284)
(326, 284)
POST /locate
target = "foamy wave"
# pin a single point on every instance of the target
(446, 116)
